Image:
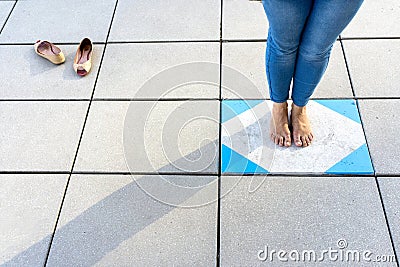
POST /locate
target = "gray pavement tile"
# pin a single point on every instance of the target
(29, 209)
(62, 21)
(243, 19)
(112, 219)
(375, 19)
(374, 68)
(33, 77)
(249, 59)
(39, 136)
(151, 20)
(301, 214)
(390, 187)
(380, 119)
(126, 67)
(5, 8)
(150, 136)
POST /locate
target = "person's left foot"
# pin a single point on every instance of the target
(302, 134)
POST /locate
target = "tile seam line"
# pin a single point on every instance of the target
(321, 175)
(80, 139)
(386, 220)
(218, 230)
(357, 104)
(194, 40)
(178, 99)
(369, 152)
(216, 41)
(9, 15)
(370, 38)
(110, 173)
(105, 99)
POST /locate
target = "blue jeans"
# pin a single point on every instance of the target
(300, 39)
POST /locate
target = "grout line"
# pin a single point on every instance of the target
(386, 220)
(369, 38)
(182, 99)
(347, 68)
(155, 99)
(123, 42)
(369, 152)
(80, 138)
(320, 175)
(146, 173)
(9, 15)
(45, 100)
(197, 41)
(112, 173)
(34, 172)
(56, 43)
(165, 41)
(388, 175)
(378, 98)
(317, 175)
(357, 104)
(256, 40)
(218, 256)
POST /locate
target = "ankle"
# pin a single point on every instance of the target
(280, 106)
(299, 110)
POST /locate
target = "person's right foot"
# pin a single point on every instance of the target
(279, 125)
(302, 133)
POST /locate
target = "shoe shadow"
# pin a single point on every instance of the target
(37, 65)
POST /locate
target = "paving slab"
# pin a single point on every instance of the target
(374, 68)
(40, 136)
(380, 119)
(249, 59)
(29, 209)
(243, 20)
(302, 215)
(5, 9)
(390, 187)
(247, 148)
(33, 77)
(60, 22)
(152, 20)
(151, 136)
(375, 19)
(119, 222)
(127, 67)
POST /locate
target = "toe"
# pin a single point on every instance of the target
(297, 140)
(303, 140)
(276, 140)
(287, 140)
(281, 141)
(272, 137)
(308, 141)
(311, 137)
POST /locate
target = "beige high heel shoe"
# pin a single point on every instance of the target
(83, 57)
(49, 51)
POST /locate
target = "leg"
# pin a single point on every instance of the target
(286, 22)
(327, 20)
(286, 19)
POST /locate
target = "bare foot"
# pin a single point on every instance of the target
(279, 126)
(302, 134)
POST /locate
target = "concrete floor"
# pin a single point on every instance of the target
(141, 162)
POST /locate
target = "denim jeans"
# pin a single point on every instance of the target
(300, 39)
